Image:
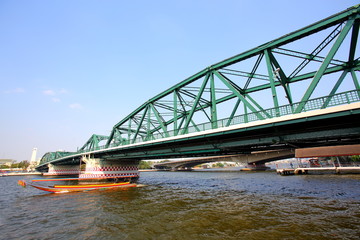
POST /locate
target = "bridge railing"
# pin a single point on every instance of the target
(310, 105)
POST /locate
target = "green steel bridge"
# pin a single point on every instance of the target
(299, 90)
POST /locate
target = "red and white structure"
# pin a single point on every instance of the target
(62, 170)
(98, 168)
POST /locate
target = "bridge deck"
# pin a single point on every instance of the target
(145, 151)
(290, 99)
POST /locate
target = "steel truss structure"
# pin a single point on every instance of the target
(256, 84)
(93, 142)
(312, 68)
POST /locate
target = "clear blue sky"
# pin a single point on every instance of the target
(69, 69)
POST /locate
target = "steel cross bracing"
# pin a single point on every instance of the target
(93, 143)
(311, 68)
(250, 81)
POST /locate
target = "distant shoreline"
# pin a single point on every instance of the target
(20, 174)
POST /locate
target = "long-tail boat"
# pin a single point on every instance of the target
(74, 188)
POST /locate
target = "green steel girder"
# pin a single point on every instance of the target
(317, 50)
(130, 131)
(254, 69)
(238, 92)
(257, 105)
(51, 156)
(355, 79)
(192, 111)
(306, 57)
(93, 142)
(354, 38)
(271, 77)
(233, 112)
(168, 107)
(193, 96)
(175, 112)
(305, 76)
(217, 90)
(239, 80)
(199, 101)
(160, 120)
(287, 133)
(278, 74)
(213, 103)
(325, 64)
(250, 76)
(304, 32)
(335, 88)
(268, 136)
(140, 124)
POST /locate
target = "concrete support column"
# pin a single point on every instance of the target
(62, 170)
(99, 168)
(256, 167)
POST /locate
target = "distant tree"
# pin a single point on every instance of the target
(145, 165)
(23, 164)
(164, 161)
(14, 165)
(355, 158)
(345, 159)
(218, 165)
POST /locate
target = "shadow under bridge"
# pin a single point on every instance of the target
(254, 159)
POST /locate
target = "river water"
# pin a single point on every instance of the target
(189, 205)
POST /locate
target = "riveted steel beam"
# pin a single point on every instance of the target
(325, 64)
(249, 78)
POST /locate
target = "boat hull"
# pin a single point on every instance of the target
(79, 188)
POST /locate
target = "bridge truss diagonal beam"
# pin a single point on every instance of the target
(182, 119)
(285, 76)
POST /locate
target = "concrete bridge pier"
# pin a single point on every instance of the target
(104, 169)
(62, 170)
(255, 167)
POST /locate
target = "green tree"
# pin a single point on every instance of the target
(23, 164)
(164, 161)
(220, 165)
(14, 165)
(145, 165)
(4, 166)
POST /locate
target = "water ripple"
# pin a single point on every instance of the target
(190, 205)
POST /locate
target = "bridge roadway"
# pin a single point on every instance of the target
(325, 127)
